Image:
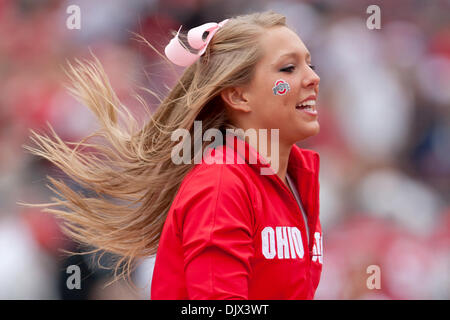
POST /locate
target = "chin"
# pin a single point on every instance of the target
(310, 131)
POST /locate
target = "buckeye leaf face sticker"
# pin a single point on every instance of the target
(281, 87)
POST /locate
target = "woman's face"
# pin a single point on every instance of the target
(285, 58)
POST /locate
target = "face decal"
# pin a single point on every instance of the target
(281, 87)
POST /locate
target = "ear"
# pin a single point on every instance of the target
(235, 98)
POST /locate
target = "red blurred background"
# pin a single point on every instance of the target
(384, 110)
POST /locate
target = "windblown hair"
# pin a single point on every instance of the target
(130, 169)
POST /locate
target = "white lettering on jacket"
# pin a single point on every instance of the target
(288, 244)
(318, 248)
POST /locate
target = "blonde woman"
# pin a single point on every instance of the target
(220, 229)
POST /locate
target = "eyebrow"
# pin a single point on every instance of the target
(292, 54)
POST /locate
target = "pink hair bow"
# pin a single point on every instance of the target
(176, 53)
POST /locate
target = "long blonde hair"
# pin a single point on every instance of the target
(130, 169)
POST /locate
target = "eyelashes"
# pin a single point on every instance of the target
(290, 69)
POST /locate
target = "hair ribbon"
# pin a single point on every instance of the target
(180, 56)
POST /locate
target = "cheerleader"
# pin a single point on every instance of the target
(241, 222)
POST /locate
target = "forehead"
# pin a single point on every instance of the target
(279, 43)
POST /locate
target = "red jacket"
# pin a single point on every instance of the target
(232, 233)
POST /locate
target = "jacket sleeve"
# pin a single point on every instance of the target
(216, 230)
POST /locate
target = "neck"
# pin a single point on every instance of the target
(279, 161)
(284, 153)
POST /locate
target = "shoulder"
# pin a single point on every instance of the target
(217, 172)
(215, 181)
(213, 195)
(215, 178)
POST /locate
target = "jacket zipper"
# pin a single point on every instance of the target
(291, 196)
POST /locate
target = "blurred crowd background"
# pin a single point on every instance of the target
(384, 110)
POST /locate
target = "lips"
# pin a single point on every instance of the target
(308, 105)
(308, 99)
(309, 111)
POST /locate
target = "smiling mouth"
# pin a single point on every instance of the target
(308, 106)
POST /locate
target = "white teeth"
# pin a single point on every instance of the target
(308, 103)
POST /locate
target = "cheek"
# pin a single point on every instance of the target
(285, 100)
(281, 91)
(276, 97)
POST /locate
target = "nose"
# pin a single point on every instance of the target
(311, 79)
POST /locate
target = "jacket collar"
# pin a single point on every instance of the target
(299, 159)
(303, 168)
